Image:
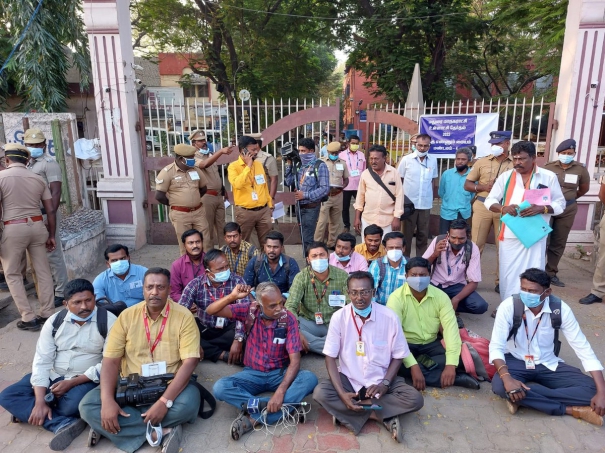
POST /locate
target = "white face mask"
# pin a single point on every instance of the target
(394, 255)
(419, 154)
(497, 150)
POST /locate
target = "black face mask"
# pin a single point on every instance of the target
(457, 246)
(461, 168)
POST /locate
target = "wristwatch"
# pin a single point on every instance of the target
(386, 382)
(240, 339)
(168, 403)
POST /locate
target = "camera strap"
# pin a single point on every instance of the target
(160, 333)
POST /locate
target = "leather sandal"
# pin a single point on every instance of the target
(394, 426)
(240, 426)
(587, 414)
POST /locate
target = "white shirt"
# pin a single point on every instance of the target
(74, 351)
(541, 176)
(542, 347)
(418, 179)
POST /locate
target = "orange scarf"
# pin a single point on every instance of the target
(508, 194)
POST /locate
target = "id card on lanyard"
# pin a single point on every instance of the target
(220, 322)
(154, 368)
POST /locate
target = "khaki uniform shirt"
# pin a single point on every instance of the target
(213, 178)
(181, 187)
(268, 162)
(487, 169)
(48, 168)
(569, 178)
(21, 192)
(338, 172)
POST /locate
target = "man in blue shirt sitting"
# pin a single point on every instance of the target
(272, 266)
(455, 201)
(122, 281)
(389, 271)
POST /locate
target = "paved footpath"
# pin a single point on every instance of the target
(453, 420)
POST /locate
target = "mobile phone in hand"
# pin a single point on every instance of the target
(371, 407)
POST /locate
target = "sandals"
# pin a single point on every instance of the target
(240, 426)
(93, 438)
(395, 427)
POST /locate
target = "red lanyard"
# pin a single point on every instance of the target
(220, 296)
(359, 329)
(162, 327)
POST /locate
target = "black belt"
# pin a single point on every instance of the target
(481, 198)
(310, 205)
(570, 202)
(254, 209)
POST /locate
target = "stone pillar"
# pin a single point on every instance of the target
(580, 96)
(122, 189)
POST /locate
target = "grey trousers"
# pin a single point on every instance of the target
(314, 333)
(400, 399)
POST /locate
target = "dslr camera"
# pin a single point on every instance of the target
(289, 152)
(138, 390)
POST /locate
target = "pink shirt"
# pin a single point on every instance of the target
(356, 263)
(459, 271)
(382, 337)
(356, 163)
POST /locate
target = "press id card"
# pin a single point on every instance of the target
(153, 369)
(360, 349)
(530, 364)
(319, 319)
(220, 323)
(254, 196)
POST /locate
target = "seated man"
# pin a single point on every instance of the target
(272, 358)
(122, 280)
(555, 388)
(317, 292)
(389, 271)
(344, 255)
(456, 265)
(189, 265)
(422, 309)
(372, 331)
(238, 251)
(67, 365)
(371, 248)
(132, 346)
(273, 265)
(221, 338)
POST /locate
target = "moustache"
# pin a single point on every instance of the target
(84, 312)
(517, 167)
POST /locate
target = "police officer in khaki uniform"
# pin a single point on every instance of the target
(214, 199)
(21, 192)
(330, 214)
(48, 168)
(575, 182)
(480, 181)
(181, 186)
(269, 164)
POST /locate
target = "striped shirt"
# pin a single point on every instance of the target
(393, 279)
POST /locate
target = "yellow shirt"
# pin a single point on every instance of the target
(127, 338)
(246, 181)
(362, 249)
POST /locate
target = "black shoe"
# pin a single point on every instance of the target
(497, 288)
(590, 299)
(554, 280)
(41, 320)
(32, 326)
(59, 301)
(466, 381)
(67, 434)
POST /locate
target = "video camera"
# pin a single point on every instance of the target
(138, 390)
(289, 152)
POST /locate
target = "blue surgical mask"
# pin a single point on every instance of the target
(319, 265)
(77, 318)
(307, 159)
(190, 162)
(120, 267)
(419, 154)
(563, 158)
(419, 283)
(36, 152)
(343, 258)
(363, 313)
(529, 299)
(414, 150)
(222, 277)
(333, 157)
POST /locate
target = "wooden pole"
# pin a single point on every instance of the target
(60, 156)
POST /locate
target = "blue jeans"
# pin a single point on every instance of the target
(308, 222)
(19, 399)
(473, 303)
(240, 387)
(132, 429)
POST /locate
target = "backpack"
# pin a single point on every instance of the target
(555, 319)
(101, 321)
(468, 252)
(259, 262)
(474, 354)
(382, 270)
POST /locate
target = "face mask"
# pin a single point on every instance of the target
(333, 157)
(530, 300)
(190, 162)
(414, 149)
(353, 147)
(461, 168)
(343, 258)
(394, 255)
(204, 151)
(497, 150)
(563, 158)
(120, 267)
(36, 152)
(222, 277)
(419, 154)
(319, 265)
(307, 159)
(457, 246)
(363, 313)
(77, 318)
(419, 283)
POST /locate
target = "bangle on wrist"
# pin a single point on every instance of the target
(505, 374)
(501, 366)
(545, 209)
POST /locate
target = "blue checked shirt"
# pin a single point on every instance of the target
(312, 189)
(393, 279)
(280, 278)
(200, 292)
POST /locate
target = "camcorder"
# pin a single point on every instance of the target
(138, 390)
(289, 152)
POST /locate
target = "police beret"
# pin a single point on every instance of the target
(570, 143)
(184, 150)
(333, 147)
(16, 150)
(33, 136)
(499, 136)
(197, 135)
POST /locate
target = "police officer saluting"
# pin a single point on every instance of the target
(575, 182)
(181, 186)
(21, 192)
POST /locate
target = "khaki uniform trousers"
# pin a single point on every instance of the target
(598, 280)
(214, 212)
(183, 221)
(561, 226)
(483, 220)
(57, 261)
(249, 220)
(330, 216)
(16, 240)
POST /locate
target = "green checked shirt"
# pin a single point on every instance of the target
(302, 299)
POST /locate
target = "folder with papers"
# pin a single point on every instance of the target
(528, 230)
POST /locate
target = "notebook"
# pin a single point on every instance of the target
(528, 230)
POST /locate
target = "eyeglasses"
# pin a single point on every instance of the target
(362, 293)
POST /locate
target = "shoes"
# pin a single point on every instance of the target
(512, 407)
(554, 280)
(59, 301)
(497, 288)
(587, 414)
(590, 299)
(32, 326)
(67, 434)
(466, 381)
(41, 320)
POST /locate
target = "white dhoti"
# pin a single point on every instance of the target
(516, 259)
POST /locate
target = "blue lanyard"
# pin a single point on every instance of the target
(349, 159)
(447, 260)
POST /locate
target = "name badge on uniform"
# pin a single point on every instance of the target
(571, 179)
(354, 172)
(360, 349)
(137, 284)
(319, 319)
(254, 196)
(260, 179)
(153, 369)
(194, 175)
(340, 167)
(529, 362)
(336, 300)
